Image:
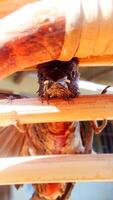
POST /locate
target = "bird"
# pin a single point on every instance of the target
(57, 80)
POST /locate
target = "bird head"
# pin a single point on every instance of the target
(58, 79)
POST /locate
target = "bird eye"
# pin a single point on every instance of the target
(73, 74)
(41, 76)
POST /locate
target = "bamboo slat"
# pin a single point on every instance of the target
(52, 31)
(9, 6)
(96, 61)
(95, 107)
(56, 168)
(93, 61)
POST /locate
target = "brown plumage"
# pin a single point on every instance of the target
(56, 80)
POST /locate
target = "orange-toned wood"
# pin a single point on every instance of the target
(53, 31)
(56, 168)
(93, 61)
(96, 61)
(95, 107)
(31, 35)
(9, 6)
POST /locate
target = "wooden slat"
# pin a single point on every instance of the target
(9, 6)
(53, 31)
(33, 34)
(95, 107)
(96, 61)
(62, 168)
(93, 61)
